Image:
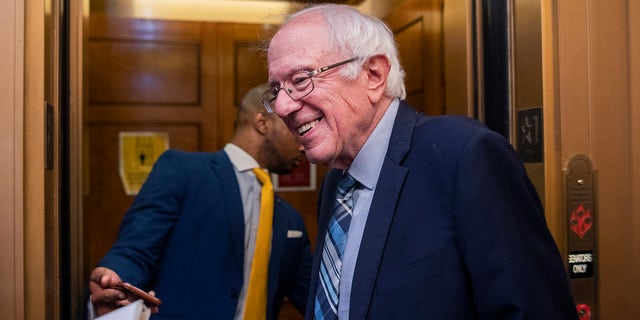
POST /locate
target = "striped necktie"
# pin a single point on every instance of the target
(328, 292)
(256, 305)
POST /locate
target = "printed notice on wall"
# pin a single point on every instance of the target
(138, 152)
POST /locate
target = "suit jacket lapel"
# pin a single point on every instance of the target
(383, 208)
(223, 169)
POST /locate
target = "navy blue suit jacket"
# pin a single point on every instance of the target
(184, 238)
(455, 231)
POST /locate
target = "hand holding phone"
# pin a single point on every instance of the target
(137, 292)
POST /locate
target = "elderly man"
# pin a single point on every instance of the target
(421, 217)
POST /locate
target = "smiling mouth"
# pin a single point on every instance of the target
(303, 129)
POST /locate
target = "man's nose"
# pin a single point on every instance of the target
(285, 105)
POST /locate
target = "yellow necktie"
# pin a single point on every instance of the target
(256, 305)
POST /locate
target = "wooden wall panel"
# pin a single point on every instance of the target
(17, 293)
(154, 70)
(210, 87)
(31, 266)
(114, 27)
(411, 49)
(527, 54)
(609, 139)
(460, 71)
(250, 67)
(125, 72)
(242, 66)
(417, 26)
(634, 144)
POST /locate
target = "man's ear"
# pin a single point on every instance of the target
(377, 69)
(261, 123)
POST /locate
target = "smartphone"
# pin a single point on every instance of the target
(151, 300)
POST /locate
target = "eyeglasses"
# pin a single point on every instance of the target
(298, 86)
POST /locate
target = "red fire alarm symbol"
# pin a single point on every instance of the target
(580, 221)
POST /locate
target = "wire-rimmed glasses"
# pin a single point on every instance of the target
(298, 86)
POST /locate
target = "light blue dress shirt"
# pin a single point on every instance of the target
(366, 169)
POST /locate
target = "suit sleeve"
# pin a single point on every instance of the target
(513, 262)
(147, 225)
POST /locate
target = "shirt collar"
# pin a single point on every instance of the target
(240, 159)
(368, 162)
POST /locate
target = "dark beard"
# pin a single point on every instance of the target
(274, 161)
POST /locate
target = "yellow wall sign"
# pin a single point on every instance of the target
(138, 152)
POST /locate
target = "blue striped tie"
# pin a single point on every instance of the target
(328, 291)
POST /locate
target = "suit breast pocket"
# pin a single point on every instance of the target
(409, 274)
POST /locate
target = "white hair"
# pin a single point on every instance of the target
(353, 34)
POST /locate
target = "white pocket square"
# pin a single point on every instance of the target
(294, 234)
